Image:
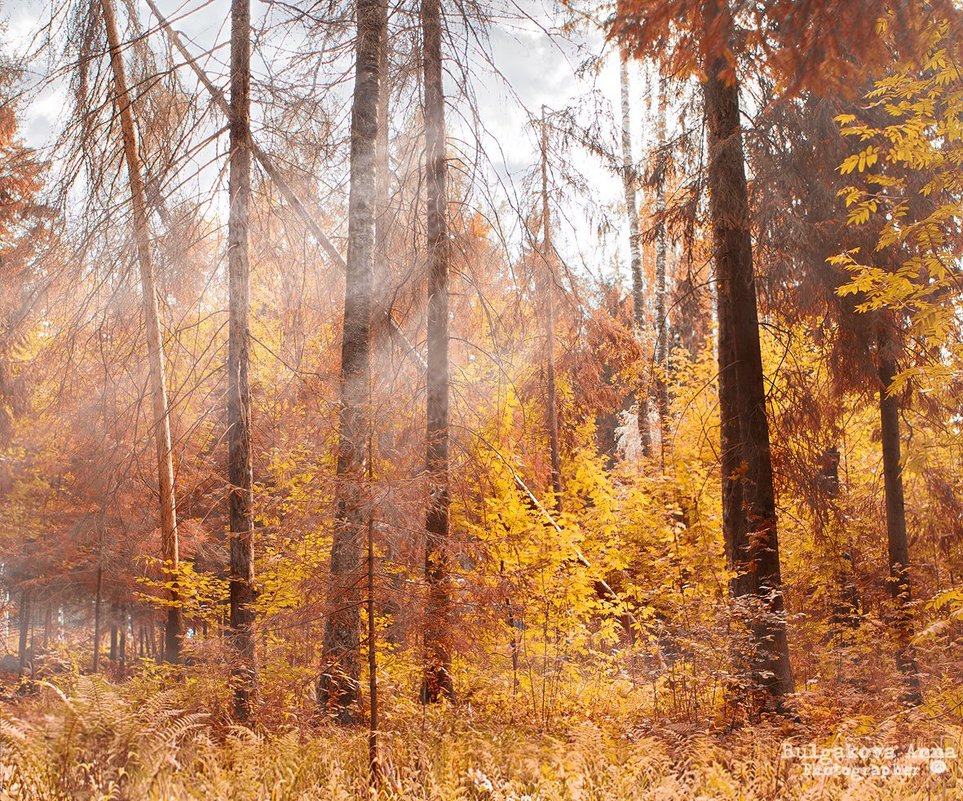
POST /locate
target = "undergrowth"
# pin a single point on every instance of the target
(106, 741)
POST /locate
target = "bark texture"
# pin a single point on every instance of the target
(239, 470)
(155, 347)
(278, 179)
(437, 681)
(629, 181)
(338, 689)
(896, 536)
(749, 510)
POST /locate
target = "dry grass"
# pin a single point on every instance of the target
(101, 742)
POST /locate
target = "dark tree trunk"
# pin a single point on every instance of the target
(97, 605)
(437, 681)
(240, 478)
(629, 181)
(607, 423)
(897, 541)
(338, 689)
(374, 764)
(749, 512)
(113, 634)
(155, 346)
(381, 275)
(25, 612)
(33, 648)
(548, 297)
(277, 177)
(381, 335)
(124, 622)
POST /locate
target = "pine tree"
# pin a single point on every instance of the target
(437, 680)
(749, 507)
(239, 471)
(338, 688)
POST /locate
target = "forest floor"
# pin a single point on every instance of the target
(102, 740)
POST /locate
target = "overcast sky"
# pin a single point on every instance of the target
(530, 67)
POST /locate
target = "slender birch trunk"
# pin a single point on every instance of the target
(661, 278)
(155, 348)
(629, 180)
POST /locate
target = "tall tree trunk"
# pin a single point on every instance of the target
(33, 647)
(897, 541)
(437, 680)
(97, 607)
(113, 633)
(629, 181)
(338, 688)
(275, 175)
(381, 281)
(548, 298)
(239, 470)
(155, 348)
(374, 765)
(390, 518)
(749, 509)
(124, 623)
(661, 279)
(25, 612)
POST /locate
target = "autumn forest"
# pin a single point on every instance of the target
(495, 400)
